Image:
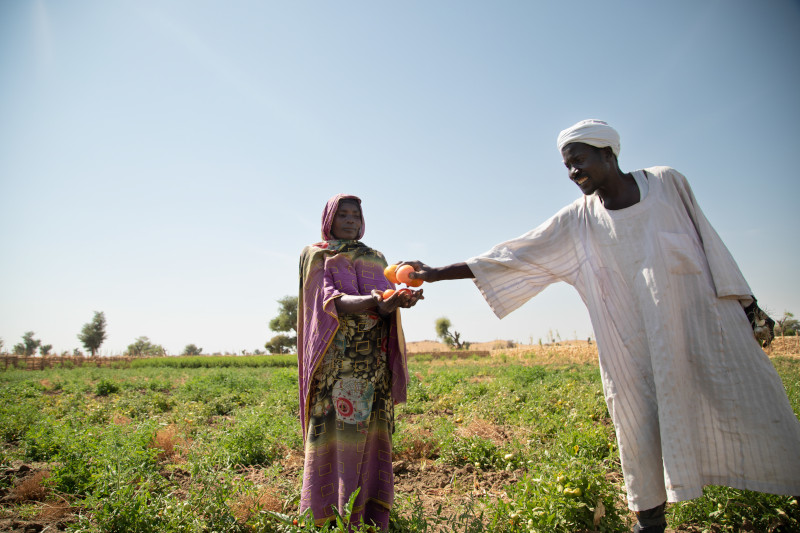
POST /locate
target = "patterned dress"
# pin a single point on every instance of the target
(352, 370)
(349, 444)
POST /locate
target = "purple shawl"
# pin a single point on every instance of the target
(328, 270)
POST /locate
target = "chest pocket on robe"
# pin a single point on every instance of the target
(680, 253)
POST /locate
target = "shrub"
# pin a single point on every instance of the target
(734, 509)
(256, 438)
(106, 387)
(564, 494)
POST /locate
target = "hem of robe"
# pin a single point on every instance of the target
(690, 493)
(357, 510)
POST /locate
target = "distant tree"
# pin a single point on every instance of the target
(452, 339)
(286, 321)
(787, 325)
(1, 345)
(191, 349)
(31, 344)
(287, 315)
(281, 344)
(142, 347)
(28, 345)
(77, 353)
(44, 349)
(94, 333)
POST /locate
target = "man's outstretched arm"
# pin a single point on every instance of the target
(443, 273)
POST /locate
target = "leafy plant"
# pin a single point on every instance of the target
(732, 509)
(474, 450)
(254, 439)
(106, 387)
(562, 495)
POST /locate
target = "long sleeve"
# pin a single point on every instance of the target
(728, 279)
(515, 271)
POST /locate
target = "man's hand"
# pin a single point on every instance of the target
(763, 326)
(432, 274)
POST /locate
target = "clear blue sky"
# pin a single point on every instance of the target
(166, 162)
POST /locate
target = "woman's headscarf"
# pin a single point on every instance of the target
(329, 213)
(317, 317)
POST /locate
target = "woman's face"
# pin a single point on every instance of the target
(347, 221)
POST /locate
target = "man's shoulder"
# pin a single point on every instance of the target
(667, 175)
(662, 171)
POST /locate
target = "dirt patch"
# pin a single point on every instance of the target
(28, 486)
(267, 499)
(170, 443)
(485, 430)
(434, 484)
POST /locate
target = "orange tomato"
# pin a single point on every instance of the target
(389, 272)
(405, 291)
(387, 293)
(402, 275)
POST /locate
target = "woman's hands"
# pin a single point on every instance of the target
(356, 304)
(401, 298)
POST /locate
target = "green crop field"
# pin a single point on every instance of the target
(202, 444)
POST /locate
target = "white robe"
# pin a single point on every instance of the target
(694, 399)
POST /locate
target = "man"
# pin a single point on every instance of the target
(694, 399)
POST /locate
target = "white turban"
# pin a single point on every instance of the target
(592, 132)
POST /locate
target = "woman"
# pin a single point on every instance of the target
(352, 367)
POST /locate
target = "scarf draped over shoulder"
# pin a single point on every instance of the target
(328, 270)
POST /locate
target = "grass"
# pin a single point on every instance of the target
(499, 443)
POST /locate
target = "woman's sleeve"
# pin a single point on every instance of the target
(515, 271)
(338, 279)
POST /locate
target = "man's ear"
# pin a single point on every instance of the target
(610, 156)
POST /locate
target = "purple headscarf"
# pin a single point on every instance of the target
(317, 317)
(330, 212)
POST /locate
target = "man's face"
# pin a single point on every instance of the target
(347, 221)
(589, 167)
